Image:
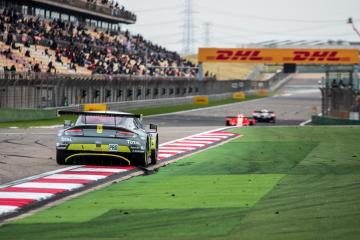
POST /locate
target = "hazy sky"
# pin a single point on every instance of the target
(235, 22)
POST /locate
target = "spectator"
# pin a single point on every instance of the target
(37, 68)
(51, 67)
(27, 53)
(341, 84)
(102, 53)
(12, 68)
(334, 84)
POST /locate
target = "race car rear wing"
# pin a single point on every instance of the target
(110, 114)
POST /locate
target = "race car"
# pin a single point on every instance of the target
(264, 116)
(111, 136)
(239, 120)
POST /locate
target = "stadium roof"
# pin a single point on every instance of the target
(77, 7)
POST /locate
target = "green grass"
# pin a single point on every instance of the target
(144, 111)
(273, 183)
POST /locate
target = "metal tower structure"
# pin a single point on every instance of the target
(351, 22)
(207, 30)
(188, 40)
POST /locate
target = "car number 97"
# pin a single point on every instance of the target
(113, 147)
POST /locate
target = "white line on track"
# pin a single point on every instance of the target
(164, 155)
(25, 195)
(177, 148)
(206, 138)
(185, 144)
(305, 122)
(170, 151)
(110, 170)
(197, 134)
(41, 185)
(76, 176)
(28, 179)
(6, 209)
(198, 141)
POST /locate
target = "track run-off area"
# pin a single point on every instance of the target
(27, 155)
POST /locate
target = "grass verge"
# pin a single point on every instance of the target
(144, 111)
(273, 183)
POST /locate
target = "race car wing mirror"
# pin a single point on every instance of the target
(153, 127)
(67, 124)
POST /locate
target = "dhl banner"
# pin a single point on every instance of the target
(239, 95)
(279, 56)
(262, 93)
(201, 100)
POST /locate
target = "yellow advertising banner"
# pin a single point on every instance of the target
(262, 93)
(201, 100)
(279, 56)
(239, 95)
(95, 107)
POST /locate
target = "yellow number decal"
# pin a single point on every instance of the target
(99, 128)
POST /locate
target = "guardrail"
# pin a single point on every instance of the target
(43, 90)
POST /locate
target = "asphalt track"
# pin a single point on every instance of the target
(27, 152)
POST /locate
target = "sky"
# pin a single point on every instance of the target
(234, 23)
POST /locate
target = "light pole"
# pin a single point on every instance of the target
(350, 21)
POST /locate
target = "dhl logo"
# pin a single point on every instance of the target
(316, 56)
(278, 56)
(239, 55)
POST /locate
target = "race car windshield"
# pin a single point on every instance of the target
(125, 122)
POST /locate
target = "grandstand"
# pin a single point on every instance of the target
(83, 37)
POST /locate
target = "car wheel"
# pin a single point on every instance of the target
(154, 153)
(60, 157)
(143, 160)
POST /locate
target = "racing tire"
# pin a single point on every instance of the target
(143, 159)
(154, 153)
(60, 157)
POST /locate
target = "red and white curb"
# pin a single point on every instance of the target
(19, 194)
(191, 143)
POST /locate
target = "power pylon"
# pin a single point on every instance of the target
(188, 40)
(207, 34)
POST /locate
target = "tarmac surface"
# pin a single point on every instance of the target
(31, 151)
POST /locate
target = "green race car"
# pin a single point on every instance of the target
(114, 136)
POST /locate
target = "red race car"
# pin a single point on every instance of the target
(239, 120)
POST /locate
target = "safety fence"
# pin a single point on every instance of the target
(339, 102)
(43, 90)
